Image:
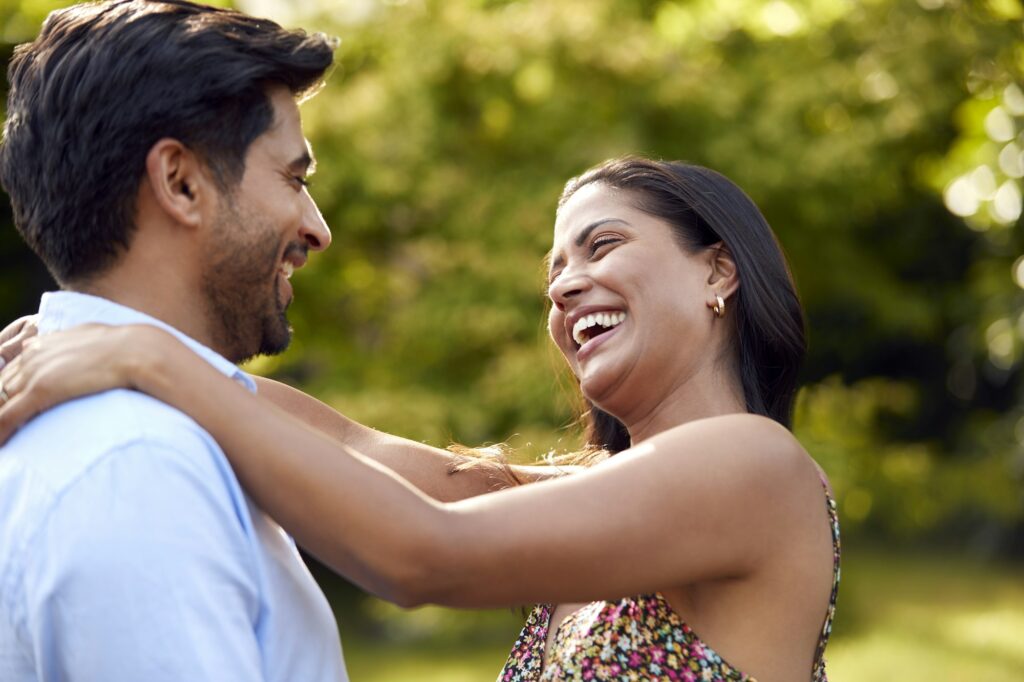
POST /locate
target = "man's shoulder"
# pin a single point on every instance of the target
(120, 444)
(75, 435)
(117, 507)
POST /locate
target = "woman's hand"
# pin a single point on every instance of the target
(14, 336)
(43, 371)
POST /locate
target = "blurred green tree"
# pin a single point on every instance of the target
(882, 140)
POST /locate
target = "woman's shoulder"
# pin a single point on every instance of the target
(752, 450)
(739, 434)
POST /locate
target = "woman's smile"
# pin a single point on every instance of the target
(600, 337)
(588, 322)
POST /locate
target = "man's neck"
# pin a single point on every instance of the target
(166, 301)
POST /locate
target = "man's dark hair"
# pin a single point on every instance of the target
(103, 82)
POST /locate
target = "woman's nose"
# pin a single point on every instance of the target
(567, 285)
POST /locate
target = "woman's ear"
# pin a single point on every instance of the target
(178, 182)
(723, 279)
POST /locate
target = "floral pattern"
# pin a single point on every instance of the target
(637, 638)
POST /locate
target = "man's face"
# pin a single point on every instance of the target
(264, 229)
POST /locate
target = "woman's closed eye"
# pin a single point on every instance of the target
(602, 242)
(598, 247)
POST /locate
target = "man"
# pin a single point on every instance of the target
(155, 160)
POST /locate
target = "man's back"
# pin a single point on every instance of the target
(129, 551)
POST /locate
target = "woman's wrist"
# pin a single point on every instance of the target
(144, 364)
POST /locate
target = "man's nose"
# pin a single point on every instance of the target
(314, 230)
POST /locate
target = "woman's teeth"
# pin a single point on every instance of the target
(287, 269)
(606, 320)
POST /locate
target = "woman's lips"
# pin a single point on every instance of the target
(588, 348)
(606, 319)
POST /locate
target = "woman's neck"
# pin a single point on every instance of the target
(712, 395)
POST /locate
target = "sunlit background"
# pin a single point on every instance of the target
(882, 139)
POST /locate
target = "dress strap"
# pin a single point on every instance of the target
(833, 516)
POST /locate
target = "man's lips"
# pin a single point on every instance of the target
(294, 258)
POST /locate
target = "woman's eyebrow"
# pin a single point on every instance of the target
(582, 237)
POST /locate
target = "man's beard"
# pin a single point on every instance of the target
(241, 287)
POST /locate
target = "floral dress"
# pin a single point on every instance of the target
(637, 638)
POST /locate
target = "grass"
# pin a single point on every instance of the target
(430, 644)
(901, 616)
(938, 618)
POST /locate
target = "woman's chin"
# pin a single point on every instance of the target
(616, 387)
(598, 387)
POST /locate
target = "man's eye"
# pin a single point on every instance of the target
(301, 180)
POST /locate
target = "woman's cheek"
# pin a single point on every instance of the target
(553, 321)
(556, 330)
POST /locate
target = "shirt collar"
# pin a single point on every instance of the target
(59, 310)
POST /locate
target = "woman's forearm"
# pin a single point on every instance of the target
(430, 469)
(325, 493)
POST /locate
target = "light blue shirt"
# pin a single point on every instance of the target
(128, 550)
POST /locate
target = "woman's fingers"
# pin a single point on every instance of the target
(14, 336)
(29, 384)
(14, 328)
(12, 403)
(55, 368)
(15, 412)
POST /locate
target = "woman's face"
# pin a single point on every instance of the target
(630, 307)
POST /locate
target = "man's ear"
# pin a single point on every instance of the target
(178, 180)
(723, 279)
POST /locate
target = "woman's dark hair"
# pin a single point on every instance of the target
(705, 208)
(105, 81)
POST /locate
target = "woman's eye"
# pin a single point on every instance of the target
(304, 182)
(600, 242)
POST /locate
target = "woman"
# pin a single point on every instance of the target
(706, 546)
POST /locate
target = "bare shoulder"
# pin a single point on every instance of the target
(736, 436)
(749, 454)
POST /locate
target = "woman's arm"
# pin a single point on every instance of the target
(710, 499)
(432, 470)
(435, 471)
(719, 498)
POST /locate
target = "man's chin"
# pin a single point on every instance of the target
(274, 340)
(276, 345)
(277, 335)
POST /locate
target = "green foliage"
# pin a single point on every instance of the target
(860, 128)
(451, 127)
(864, 130)
(905, 488)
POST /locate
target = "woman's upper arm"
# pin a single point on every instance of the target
(432, 470)
(304, 407)
(708, 499)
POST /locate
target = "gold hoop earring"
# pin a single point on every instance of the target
(719, 307)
